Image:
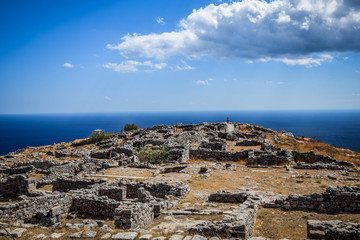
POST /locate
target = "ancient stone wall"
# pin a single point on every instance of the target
(218, 155)
(270, 158)
(330, 230)
(228, 197)
(317, 166)
(215, 146)
(16, 170)
(16, 185)
(113, 192)
(92, 205)
(160, 190)
(134, 216)
(64, 184)
(333, 200)
(239, 224)
(46, 209)
(39, 164)
(248, 143)
(311, 157)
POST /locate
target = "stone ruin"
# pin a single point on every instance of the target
(135, 205)
(333, 200)
(238, 224)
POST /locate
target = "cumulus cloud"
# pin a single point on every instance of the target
(183, 66)
(134, 66)
(68, 65)
(160, 20)
(202, 82)
(253, 29)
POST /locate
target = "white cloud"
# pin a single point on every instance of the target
(315, 60)
(202, 82)
(134, 66)
(184, 66)
(356, 94)
(108, 98)
(160, 20)
(271, 83)
(68, 65)
(288, 30)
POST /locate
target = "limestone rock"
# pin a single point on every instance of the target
(76, 235)
(125, 236)
(17, 232)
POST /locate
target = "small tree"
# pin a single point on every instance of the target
(130, 127)
(157, 156)
(98, 136)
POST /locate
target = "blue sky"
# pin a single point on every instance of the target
(116, 56)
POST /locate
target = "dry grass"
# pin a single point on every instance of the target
(232, 148)
(129, 172)
(46, 188)
(276, 224)
(37, 176)
(307, 145)
(268, 179)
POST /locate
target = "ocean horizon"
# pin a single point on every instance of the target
(337, 127)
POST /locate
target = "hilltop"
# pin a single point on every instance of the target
(198, 181)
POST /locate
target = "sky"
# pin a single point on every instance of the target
(180, 55)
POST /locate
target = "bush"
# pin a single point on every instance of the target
(98, 136)
(130, 127)
(157, 156)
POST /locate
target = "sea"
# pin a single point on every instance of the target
(340, 128)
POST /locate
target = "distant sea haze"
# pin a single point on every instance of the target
(341, 128)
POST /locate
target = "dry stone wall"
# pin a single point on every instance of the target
(66, 184)
(92, 205)
(16, 185)
(239, 224)
(47, 209)
(134, 216)
(330, 230)
(228, 197)
(333, 200)
(225, 156)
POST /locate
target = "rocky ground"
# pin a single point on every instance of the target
(218, 181)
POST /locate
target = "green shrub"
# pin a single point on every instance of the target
(157, 156)
(98, 136)
(130, 127)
